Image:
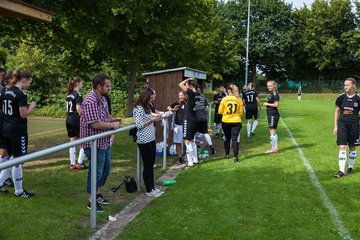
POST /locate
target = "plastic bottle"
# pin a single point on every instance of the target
(168, 182)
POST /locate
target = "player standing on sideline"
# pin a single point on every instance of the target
(201, 110)
(217, 117)
(190, 123)
(73, 109)
(231, 108)
(178, 108)
(273, 115)
(15, 110)
(251, 102)
(299, 92)
(346, 125)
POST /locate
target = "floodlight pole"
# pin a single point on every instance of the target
(247, 45)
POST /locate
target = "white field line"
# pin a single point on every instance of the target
(50, 131)
(334, 214)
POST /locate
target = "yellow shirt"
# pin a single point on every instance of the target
(231, 108)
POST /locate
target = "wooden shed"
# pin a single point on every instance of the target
(166, 84)
(19, 9)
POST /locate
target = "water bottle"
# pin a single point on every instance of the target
(168, 182)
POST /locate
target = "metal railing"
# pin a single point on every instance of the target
(93, 140)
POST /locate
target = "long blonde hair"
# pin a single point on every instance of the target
(233, 90)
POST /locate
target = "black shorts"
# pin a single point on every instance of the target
(189, 129)
(16, 146)
(73, 130)
(202, 127)
(348, 134)
(217, 118)
(2, 141)
(273, 119)
(250, 113)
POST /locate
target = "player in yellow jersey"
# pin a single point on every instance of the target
(231, 109)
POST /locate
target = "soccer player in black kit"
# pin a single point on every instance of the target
(16, 109)
(251, 102)
(346, 125)
(73, 109)
(217, 118)
(273, 115)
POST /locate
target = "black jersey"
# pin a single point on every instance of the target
(192, 102)
(250, 99)
(349, 107)
(218, 97)
(180, 113)
(72, 100)
(14, 124)
(272, 98)
(2, 92)
(200, 108)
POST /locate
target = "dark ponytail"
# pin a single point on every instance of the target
(72, 84)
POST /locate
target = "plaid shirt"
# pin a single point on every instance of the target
(94, 109)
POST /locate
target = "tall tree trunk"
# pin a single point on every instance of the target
(131, 88)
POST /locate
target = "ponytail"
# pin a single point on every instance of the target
(73, 81)
(18, 75)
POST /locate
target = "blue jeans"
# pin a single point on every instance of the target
(103, 165)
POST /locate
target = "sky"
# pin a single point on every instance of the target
(300, 3)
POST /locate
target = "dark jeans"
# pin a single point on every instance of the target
(231, 131)
(148, 155)
(103, 165)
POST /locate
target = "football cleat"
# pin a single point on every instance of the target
(339, 174)
(3, 190)
(9, 182)
(349, 170)
(272, 150)
(25, 194)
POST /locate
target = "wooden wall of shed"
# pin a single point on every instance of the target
(167, 88)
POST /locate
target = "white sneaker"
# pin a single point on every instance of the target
(159, 191)
(153, 194)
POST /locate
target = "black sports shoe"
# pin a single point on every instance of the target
(181, 160)
(98, 207)
(212, 149)
(349, 170)
(236, 160)
(3, 190)
(101, 200)
(252, 133)
(227, 156)
(339, 174)
(9, 182)
(25, 194)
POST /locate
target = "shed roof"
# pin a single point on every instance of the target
(15, 8)
(188, 72)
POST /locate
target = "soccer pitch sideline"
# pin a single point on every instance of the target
(291, 194)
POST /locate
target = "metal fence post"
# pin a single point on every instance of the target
(165, 142)
(209, 115)
(138, 168)
(93, 182)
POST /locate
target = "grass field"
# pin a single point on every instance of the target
(262, 197)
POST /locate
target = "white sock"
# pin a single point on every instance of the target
(208, 139)
(81, 156)
(189, 149)
(5, 173)
(72, 153)
(194, 152)
(273, 140)
(255, 123)
(248, 127)
(17, 178)
(217, 128)
(342, 160)
(352, 157)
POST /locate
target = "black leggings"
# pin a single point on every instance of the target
(231, 131)
(148, 155)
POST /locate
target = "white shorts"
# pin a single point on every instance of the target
(178, 134)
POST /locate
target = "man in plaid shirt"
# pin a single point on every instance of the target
(95, 119)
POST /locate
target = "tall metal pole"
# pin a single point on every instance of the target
(247, 45)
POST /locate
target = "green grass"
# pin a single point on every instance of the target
(59, 211)
(264, 196)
